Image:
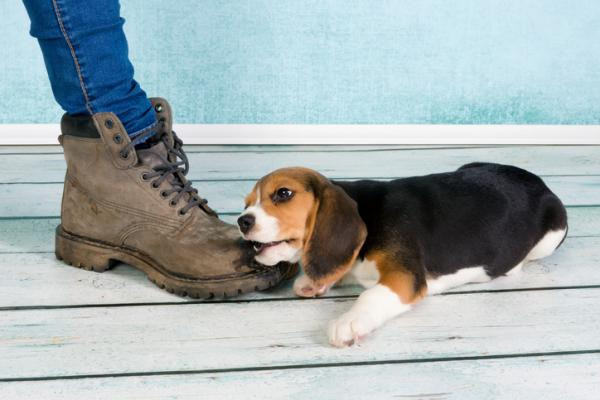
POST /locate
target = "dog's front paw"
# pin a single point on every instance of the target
(305, 287)
(350, 328)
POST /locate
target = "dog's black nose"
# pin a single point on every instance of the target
(246, 222)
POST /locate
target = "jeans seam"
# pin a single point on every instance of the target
(88, 104)
(140, 131)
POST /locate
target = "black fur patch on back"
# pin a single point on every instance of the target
(482, 214)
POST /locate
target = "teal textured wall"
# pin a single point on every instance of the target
(342, 61)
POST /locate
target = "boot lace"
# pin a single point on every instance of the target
(177, 169)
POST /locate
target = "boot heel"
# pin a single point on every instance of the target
(82, 253)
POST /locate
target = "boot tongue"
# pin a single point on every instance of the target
(156, 156)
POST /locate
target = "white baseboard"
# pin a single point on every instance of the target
(41, 134)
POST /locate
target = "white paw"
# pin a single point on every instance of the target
(305, 287)
(350, 328)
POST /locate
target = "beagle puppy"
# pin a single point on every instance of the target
(401, 239)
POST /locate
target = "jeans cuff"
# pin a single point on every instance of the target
(143, 134)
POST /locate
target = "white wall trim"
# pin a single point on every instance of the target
(39, 134)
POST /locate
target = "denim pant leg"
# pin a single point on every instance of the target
(86, 56)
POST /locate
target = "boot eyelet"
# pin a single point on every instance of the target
(109, 123)
(164, 194)
(155, 185)
(145, 176)
(158, 107)
(118, 139)
(172, 203)
(181, 212)
(124, 154)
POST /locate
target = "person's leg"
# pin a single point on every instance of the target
(123, 202)
(86, 56)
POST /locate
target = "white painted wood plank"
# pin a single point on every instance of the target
(43, 200)
(34, 235)
(570, 377)
(542, 160)
(38, 279)
(12, 134)
(100, 340)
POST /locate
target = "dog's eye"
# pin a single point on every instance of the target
(282, 194)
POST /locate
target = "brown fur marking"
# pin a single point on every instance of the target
(396, 277)
(293, 214)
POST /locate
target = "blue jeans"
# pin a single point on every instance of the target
(86, 56)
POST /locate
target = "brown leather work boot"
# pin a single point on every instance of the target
(137, 207)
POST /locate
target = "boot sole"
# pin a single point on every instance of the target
(93, 255)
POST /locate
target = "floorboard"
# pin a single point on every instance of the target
(100, 340)
(62, 285)
(68, 333)
(541, 377)
(542, 160)
(227, 196)
(32, 234)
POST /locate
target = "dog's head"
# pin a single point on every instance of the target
(296, 214)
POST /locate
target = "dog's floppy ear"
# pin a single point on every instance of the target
(335, 234)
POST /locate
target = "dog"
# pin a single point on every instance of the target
(400, 239)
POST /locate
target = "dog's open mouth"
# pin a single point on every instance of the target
(260, 247)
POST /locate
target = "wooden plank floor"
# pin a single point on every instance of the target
(68, 333)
